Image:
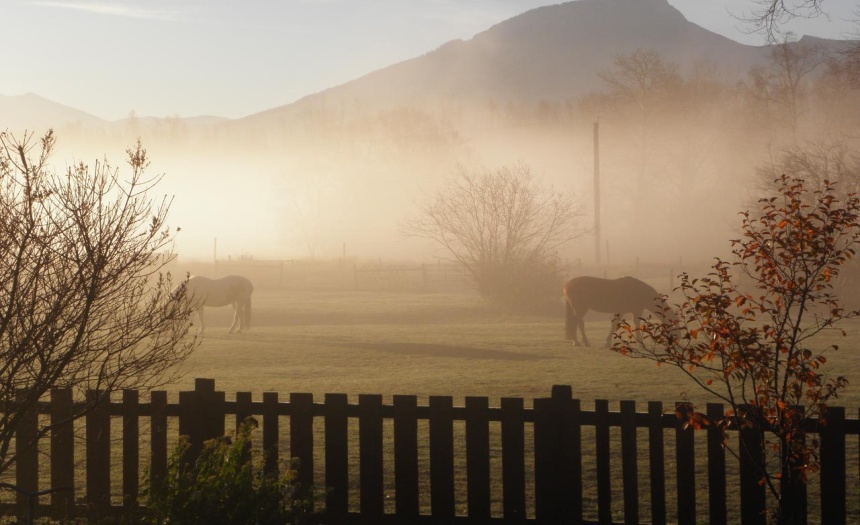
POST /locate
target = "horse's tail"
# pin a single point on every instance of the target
(569, 325)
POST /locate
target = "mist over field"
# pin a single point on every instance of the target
(688, 121)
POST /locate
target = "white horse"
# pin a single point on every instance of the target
(200, 292)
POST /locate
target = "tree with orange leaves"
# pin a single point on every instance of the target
(746, 333)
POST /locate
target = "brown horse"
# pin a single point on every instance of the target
(612, 296)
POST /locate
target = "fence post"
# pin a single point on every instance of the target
(716, 467)
(604, 473)
(337, 457)
(62, 452)
(406, 505)
(372, 502)
(201, 416)
(158, 436)
(513, 460)
(685, 458)
(130, 449)
(833, 490)
(568, 463)
(751, 445)
(546, 451)
(271, 432)
(98, 450)
(629, 459)
(442, 457)
(26, 453)
(478, 459)
(656, 462)
(302, 437)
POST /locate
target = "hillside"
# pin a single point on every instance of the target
(550, 53)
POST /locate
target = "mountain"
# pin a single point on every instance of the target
(32, 112)
(552, 53)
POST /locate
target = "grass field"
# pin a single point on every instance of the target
(449, 344)
(436, 344)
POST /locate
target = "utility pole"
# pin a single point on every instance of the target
(597, 191)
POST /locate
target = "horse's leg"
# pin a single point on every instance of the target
(637, 320)
(569, 322)
(613, 326)
(580, 322)
(200, 316)
(235, 318)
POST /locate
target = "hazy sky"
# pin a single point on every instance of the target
(236, 57)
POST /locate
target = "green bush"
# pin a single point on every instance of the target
(227, 485)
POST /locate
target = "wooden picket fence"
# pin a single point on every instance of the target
(542, 481)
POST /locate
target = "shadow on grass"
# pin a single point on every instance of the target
(435, 350)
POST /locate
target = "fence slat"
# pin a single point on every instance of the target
(604, 480)
(716, 467)
(557, 455)
(568, 462)
(26, 453)
(243, 412)
(271, 432)
(130, 449)
(629, 462)
(158, 436)
(406, 504)
(302, 436)
(573, 444)
(752, 493)
(685, 462)
(98, 451)
(370, 457)
(62, 453)
(832, 457)
(513, 460)
(336, 457)
(656, 463)
(478, 459)
(546, 451)
(442, 457)
(243, 407)
(795, 496)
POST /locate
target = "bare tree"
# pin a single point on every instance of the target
(504, 227)
(782, 87)
(638, 89)
(770, 15)
(83, 293)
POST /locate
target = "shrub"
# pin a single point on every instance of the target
(227, 485)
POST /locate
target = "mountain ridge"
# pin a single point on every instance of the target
(551, 53)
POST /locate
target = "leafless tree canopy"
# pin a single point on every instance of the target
(781, 88)
(769, 16)
(83, 297)
(501, 225)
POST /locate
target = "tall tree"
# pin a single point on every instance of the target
(638, 89)
(782, 87)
